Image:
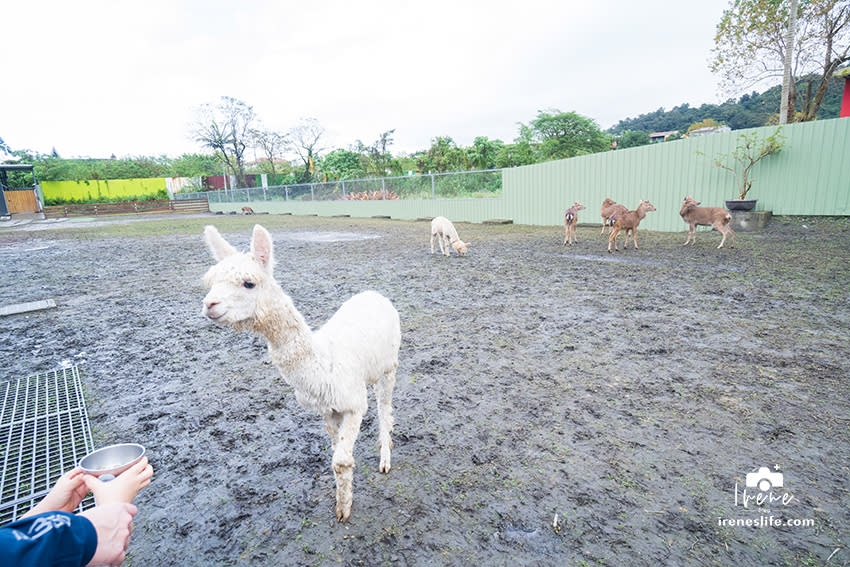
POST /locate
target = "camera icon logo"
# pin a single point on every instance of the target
(764, 480)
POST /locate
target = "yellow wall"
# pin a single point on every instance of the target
(105, 190)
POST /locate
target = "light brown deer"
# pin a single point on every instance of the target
(715, 217)
(610, 209)
(570, 222)
(629, 221)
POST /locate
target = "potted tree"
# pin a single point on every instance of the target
(750, 150)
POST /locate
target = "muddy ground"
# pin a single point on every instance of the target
(554, 406)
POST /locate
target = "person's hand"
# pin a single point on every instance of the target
(65, 495)
(122, 488)
(113, 524)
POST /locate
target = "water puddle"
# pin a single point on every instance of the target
(327, 236)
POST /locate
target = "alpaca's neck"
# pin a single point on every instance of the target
(289, 337)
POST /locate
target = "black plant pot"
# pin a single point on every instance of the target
(741, 204)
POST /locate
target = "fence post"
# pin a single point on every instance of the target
(383, 189)
(312, 194)
(343, 189)
(433, 189)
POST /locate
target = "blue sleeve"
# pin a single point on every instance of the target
(52, 539)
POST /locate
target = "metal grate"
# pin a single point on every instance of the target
(44, 431)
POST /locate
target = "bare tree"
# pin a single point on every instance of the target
(226, 129)
(273, 145)
(305, 141)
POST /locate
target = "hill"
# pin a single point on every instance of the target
(750, 111)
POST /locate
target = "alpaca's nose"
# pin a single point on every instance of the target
(210, 303)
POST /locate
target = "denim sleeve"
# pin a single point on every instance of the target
(52, 539)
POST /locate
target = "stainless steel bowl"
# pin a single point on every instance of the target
(109, 462)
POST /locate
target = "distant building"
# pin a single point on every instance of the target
(662, 136)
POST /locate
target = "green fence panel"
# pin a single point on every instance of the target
(105, 190)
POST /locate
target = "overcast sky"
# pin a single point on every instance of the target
(96, 78)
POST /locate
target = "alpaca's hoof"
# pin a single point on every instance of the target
(343, 512)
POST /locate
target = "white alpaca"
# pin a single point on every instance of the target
(442, 228)
(329, 369)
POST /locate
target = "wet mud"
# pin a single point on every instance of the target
(554, 406)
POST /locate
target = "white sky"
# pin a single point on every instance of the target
(99, 77)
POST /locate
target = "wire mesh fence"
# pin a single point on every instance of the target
(44, 431)
(466, 184)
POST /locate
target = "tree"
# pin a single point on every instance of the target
(483, 152)
(305, 138)
(226, 129)
(749, 151)
(633, 139)
(442, 156)
(751, 47)
(378, 160)
(562, 135)
(272, 144)
(342, 164)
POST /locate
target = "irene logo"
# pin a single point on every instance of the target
(764, 481)
(764, 488)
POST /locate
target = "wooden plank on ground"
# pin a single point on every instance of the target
(27, 307)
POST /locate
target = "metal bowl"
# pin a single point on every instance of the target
(109, 462)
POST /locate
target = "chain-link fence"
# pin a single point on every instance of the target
(466, 184)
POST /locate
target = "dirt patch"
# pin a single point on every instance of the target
(555, 405)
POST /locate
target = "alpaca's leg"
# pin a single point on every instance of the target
(332, 423)
(448, 244)
(343, 463)
(433, 235)
(384, 394)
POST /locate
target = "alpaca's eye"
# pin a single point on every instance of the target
(248, 285)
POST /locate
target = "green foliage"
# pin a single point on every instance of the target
(632, 139)
(342, 164)
(48, 168)
(161, 195)
(749, 111)
(751, 45)
(194, 165)
(560, 135)
(443, 155)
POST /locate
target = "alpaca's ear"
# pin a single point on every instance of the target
(261, 247)
(219, 248)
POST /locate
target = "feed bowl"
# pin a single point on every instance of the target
(109, 462)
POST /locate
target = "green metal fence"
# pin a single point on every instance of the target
(810, 176)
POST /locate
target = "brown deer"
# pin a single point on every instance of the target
(629, 221)
(610, 210)
(715, 217)
(247, 211)
(570, 222)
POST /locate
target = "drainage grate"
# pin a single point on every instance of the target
(44, 431)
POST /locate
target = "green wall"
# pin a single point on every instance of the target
(114, 189)
(810, 176)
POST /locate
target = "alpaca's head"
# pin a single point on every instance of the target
(460, 246)
(239, 282)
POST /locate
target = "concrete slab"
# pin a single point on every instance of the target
(745, 221)
(19, 308)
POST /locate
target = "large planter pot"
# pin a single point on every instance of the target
(741, 204)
